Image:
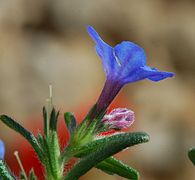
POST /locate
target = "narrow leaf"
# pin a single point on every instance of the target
(25, 133)
(105, 148)
(133, 139)
(70, 121)
(4, 172)
(191, 155)
(114, 166)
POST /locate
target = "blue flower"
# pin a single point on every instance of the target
(125, 63)
(2, 150)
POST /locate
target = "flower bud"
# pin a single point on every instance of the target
(119, 118)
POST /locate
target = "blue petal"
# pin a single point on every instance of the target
(154, 74)
(144, 72)
(130, 54)
(2, 150)
(104, 51)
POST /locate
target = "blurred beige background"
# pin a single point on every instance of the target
(45, 41)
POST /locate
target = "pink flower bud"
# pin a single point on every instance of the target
(119, 118)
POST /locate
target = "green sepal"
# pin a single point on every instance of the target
(88, 126)
(25, 133)
(112, 166)
(22, 176)
(47, 162)
(191, 155)
(70, 121)
(81, 130)
(88, 135)
(5, 172)
(45, 120)
(53, 120)
(54, 154)
(103, 148)
(32, 175)
(40, 139)
(90, 113)
(51, 149)
(89, 121)
(80, 137)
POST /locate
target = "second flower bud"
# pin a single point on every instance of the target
(119, 118)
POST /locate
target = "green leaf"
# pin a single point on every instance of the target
(53, 120)
(114, 166)
(103, 148)
(191, 155)
(4, 172)
(70, 121)
(25, 133)
(32, 175)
